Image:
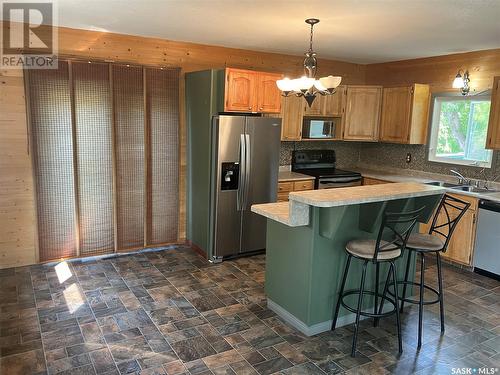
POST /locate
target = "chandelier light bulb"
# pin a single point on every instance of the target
(330, 82)
(285, 84)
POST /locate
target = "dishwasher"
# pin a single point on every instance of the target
(487, 249)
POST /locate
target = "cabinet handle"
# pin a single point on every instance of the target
(261, 108)
(250, 108)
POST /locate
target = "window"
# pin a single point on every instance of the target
(459, 128)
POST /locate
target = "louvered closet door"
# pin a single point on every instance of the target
(94, 157)
(162, 89)
(50, 114)
(128, 110)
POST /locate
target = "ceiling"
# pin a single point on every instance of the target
(362, 31)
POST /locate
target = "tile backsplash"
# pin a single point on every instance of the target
(380, 155)
(347, 152)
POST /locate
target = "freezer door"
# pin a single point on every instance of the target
(228, 131)
(263, 145)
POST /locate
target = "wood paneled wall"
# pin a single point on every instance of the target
(17, 208)
(439, 71)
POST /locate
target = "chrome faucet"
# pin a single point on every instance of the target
(461, 178)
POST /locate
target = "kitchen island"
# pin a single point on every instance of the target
(306, 236)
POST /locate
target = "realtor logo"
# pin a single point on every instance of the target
(28, 39)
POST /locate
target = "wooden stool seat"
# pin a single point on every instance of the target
(365, 249)
(424, 241)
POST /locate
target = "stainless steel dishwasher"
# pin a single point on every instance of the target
(487, 249)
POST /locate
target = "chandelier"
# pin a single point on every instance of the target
(307, 85)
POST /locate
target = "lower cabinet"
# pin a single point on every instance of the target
(461, 246)
(286, 187)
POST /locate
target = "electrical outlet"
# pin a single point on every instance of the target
(408, 158)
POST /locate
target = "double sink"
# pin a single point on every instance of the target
(468, 188)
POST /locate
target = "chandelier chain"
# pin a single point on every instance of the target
(311, 39)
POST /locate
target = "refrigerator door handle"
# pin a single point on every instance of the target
(241, 178)
(248, 158)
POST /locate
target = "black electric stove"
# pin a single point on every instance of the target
(322, 165)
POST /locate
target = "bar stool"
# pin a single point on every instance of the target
(391, 240)
(446, 218)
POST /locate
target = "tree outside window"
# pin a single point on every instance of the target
(459, 130)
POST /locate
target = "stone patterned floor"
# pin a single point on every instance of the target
(171, 312)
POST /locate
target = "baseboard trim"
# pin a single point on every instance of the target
(303, 327)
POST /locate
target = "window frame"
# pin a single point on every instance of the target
(436, 101)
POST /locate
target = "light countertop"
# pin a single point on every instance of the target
(286, 176)
(296, 212)
(423, 177)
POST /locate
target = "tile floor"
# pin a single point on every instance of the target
(171, 312)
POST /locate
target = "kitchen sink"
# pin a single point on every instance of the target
(469, 188)
(475, 189)
(443, 184)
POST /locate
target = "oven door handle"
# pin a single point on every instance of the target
(340, 181)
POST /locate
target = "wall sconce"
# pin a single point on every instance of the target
(462, 82)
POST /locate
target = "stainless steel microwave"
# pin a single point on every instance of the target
(319, 127)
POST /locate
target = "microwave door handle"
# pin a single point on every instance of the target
(241, 177)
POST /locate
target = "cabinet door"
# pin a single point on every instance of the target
(395, 122)
(316, 108)
(268, 94)
(240, 90)
(362, 116)
(292, 111)
(333, 105)
(461, 245)
(493, 138)
(328, 105)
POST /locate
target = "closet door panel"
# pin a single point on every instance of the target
(94, 157)
(162, 88)
(51, 128)
(128, 107)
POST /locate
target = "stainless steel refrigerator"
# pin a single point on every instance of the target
(244, 171)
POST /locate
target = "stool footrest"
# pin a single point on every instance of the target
(365, 313)
(415, 302)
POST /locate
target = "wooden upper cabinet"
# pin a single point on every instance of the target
(405, 111)
(250, 91)
(334, 104)
(268, 94)
(493, 138)
(362, 113)
(292, 111)
(328, 105)
(240, 90)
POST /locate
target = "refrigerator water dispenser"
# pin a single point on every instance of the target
(230, 174)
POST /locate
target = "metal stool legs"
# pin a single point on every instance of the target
(375, 298)
(358, 312)
(441, 295)
(342, 286)
(398, 319)
(421, 301)
(407, 273)
(377, 312)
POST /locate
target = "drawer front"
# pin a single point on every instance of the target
(303, 185)
(285, 187)
(282, 197)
